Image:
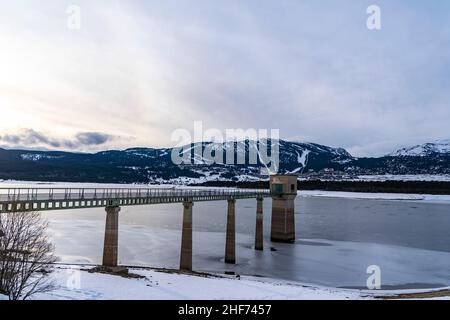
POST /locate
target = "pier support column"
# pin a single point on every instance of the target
(111, 243)
(230, 246)
(186, 237)
(259, 238)
(284, 191)
(2, 233)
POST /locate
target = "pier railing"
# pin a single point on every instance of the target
(25, 194)
(64, 198)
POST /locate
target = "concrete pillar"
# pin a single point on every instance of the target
(283, 221)
(259, 225)
(284, 192)
(111, 243)
(186, 237)
(2, 234)
(230, 246)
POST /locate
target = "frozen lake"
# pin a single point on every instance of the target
(337, 239)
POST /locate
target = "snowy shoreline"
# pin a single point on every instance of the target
(76, 283)
(375, 196)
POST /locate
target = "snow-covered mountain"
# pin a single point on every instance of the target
(423, 150)
(153, 165)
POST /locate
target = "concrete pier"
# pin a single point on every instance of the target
(186, 237)
(2, 233)
(259, 238)
(284, 191)
(111, 242)
(230, 246)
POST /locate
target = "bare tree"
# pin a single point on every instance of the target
(26, 255)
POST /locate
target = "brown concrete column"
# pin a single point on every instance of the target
(283, 220)
(259, 225)
(186, 237)
(230, 246)
(2, 233)
(284, 190)
(111, 237)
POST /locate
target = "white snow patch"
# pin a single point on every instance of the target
(303, 158)
(405, 177)
(37, 157)
(172, 286)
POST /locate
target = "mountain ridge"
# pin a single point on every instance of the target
(437, 147)
(154, 165)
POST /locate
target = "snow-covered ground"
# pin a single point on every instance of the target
(76, 283)
(71, 283)
(375, 196)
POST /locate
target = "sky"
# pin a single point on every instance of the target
(135, 71)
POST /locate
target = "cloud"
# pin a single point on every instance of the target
(146, 68)
(93, 138)
(30, 138)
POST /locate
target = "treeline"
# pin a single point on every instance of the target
(419, 187)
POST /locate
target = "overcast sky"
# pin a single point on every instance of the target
(138, 70)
